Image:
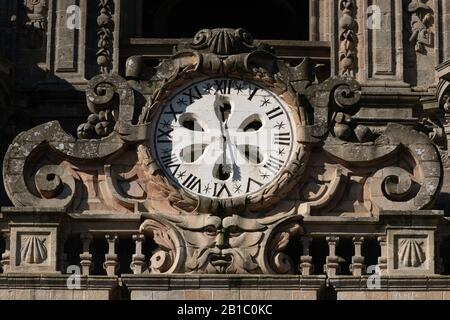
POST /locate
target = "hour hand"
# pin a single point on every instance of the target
(222, 107)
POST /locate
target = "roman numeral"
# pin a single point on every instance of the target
(193, 182)
(283, 139)
(274, 164)
(170, 161)
(193, 95)
(164, 134)
(275, 113)
(223, 86)
(218, 192)
(173, 112)
(252, 95)
(252, 181)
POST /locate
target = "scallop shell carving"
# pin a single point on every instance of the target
(411, 253)
(33, 250)
(223, 41)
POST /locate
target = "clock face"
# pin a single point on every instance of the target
(223, 138)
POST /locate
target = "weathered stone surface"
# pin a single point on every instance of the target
(224, 288)
(364, 159)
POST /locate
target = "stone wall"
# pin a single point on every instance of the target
(364, 189)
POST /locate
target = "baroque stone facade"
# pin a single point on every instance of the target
(217, 166)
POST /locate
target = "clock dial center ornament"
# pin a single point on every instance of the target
(222, 138)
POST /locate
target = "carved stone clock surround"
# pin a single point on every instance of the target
(110, 171)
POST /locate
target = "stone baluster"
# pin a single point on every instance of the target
(382, 260)
(306, 267)
(357, 267)
(5, 256)
(332, 267)
(138, 264)
(86, 256)
(111, 264)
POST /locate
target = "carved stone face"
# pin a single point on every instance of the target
(222, 246)
(223, 138)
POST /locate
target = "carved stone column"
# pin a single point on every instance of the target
(306, 267)
(111, 264)
(382, 260)
(86, 256)
(357, 267)
(332, 266)
(138, 264)
(6, 255)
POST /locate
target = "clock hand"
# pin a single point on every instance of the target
(223, 111)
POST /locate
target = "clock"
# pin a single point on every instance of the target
(224, 138)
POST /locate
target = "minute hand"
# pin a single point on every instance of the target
(223, 111)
